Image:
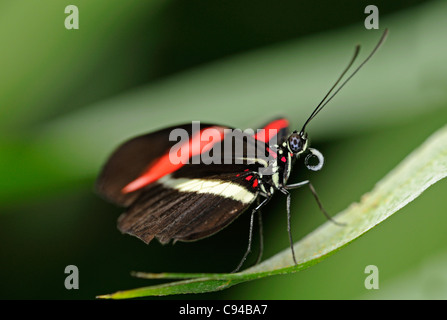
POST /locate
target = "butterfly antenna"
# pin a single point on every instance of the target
(326, 100)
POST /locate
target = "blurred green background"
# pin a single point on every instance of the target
(68, 97)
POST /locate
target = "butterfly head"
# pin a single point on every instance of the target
(297, 142)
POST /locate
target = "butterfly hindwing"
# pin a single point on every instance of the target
(188, 209)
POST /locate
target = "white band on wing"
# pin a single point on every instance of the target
(217, 187)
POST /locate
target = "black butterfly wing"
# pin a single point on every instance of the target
(188, 209)
(280, 131)
(130, 159)
(187, 204)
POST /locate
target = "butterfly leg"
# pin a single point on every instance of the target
(314, 193)
(261, 237)
(287, 193)
(250, 235)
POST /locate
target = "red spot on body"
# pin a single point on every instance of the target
(238, 175)
(246, 170)
(283, 159)
(255, 183)
(249, 178)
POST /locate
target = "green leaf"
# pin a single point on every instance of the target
(51, 64)
(422, 168)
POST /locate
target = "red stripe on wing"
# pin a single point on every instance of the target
(163, 165)
(271, 130)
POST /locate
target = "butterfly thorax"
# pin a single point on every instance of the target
(278, 171)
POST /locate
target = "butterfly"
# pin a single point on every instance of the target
(188, 182)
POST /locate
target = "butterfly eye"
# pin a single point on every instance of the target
(296, 143)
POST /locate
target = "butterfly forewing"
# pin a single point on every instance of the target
(131, 159)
